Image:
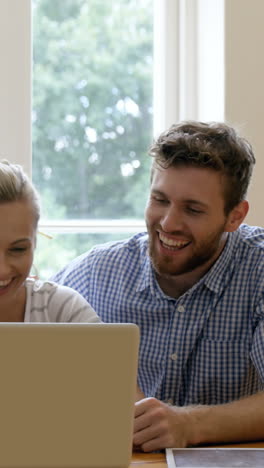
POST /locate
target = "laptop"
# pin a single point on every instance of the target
(67, 394)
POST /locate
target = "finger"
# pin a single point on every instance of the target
(141, 406)
(141, 422)
(146, 434)
(158, 443)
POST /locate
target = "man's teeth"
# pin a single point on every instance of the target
(4, 283)
(172, 243)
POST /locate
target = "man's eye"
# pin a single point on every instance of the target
(160, 200)
(194, 211)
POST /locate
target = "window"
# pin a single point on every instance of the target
(92, 119)
(96, 66)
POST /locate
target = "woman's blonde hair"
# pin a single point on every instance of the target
(16, 186)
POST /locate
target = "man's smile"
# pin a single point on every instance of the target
(172, 244)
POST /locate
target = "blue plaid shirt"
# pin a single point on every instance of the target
(207, 346)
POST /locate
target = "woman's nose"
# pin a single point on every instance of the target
(4, 267)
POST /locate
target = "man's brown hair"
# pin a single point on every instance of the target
(212, 145)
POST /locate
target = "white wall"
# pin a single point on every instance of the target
(15, 86)
(218, 54)
(244, 86)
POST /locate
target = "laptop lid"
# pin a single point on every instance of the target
(67, 394)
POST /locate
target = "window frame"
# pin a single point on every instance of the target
(178, 83)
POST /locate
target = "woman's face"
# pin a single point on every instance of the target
(17, 243)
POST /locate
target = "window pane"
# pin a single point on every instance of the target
(53, 254)
(92, 106)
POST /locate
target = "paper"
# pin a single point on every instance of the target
(215, 458)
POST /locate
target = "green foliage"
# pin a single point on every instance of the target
(53, 254)
(92, 106)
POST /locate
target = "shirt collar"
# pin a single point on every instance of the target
(218, 275)
(147, 277)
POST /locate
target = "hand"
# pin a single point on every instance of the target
(158, 425)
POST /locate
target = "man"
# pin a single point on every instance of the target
(195, 286)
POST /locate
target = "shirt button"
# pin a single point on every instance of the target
(181, 308)
(173, 356)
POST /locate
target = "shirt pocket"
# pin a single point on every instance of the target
(220, 371)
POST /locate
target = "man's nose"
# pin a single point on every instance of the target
(171, 220)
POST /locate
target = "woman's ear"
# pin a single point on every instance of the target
(237, 216)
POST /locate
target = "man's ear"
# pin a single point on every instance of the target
(237, 216)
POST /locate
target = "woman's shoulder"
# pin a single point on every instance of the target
(61, 303)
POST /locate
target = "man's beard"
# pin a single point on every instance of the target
(166, 265)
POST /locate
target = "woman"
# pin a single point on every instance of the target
(23, 299)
